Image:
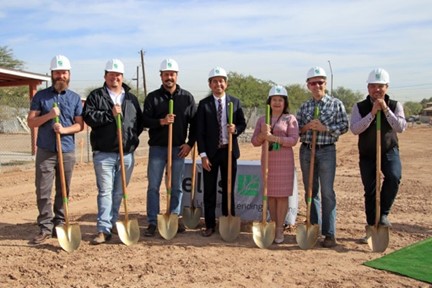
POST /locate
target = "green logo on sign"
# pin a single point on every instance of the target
(248, 185)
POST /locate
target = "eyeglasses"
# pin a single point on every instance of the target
(313, 83)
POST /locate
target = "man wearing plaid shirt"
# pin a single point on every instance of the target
(331, 123)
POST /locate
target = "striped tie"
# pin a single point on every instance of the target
(219, 117)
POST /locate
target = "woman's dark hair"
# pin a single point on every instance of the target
(286, 104)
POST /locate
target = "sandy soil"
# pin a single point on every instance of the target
(189, 260)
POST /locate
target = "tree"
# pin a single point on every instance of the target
(12, 96)
(412, 108)
(7, 60)
(348, 97)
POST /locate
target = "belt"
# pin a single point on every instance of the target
(317, 146)
(223, 146)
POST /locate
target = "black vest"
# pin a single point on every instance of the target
(367, 139)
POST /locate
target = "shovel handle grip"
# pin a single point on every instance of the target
(230, 114)
(56, 119)
(267, 119)
(316, 112)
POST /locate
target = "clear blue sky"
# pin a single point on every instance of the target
(270, 40)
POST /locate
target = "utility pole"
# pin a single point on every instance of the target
(331, 79)
(137, 81)
(143, 72)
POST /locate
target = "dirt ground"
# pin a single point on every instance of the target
(189, 260)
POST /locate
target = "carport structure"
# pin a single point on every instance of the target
(14, 78)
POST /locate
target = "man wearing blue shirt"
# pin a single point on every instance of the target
(41, 115)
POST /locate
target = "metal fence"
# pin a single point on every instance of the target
(16, 140)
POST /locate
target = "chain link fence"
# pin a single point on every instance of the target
(16, 138)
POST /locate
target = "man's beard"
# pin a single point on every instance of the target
(60, 84)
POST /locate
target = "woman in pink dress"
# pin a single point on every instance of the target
(282, 134)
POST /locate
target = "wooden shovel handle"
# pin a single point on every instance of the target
(192, 198)
(266, 156)
(229, 180)
(311, 168)
(62, 172)
(122, 165)
(378, 170)
(169, 160)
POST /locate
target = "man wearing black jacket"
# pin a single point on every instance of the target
(157, 119)
(100, 111)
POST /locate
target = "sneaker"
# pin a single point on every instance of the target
(41, 237)
(279, 236)
(150, 231)
(384, 221)
(181, 228)
(328, 242)
(101, 238)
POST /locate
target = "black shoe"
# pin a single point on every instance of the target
(41, 237)
(384, 221)
(207, 232)
(181, 228)
(54, 233)
(150, 231)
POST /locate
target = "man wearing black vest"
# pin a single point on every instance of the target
(363, 123)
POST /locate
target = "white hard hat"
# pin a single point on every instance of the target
(60, 62)
(217, 71)
(278, 90)
(169, 65)
(378, 76)
(114, 65)
(316, 72)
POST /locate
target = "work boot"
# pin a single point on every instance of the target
(41, 237)
(101, 238)
(328, 242)
(150, 231)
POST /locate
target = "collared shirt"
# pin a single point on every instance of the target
(117, 98)
(332, 115)
(70, 107)
(224, 117)
(396, 120)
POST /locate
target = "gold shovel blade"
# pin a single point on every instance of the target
(377, 238)
(229, 227)
(69, 237)
(191, 217)
(263, 233)
(307, 236)
(167, 225)
(128, 232)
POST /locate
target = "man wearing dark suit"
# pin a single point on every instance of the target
(212, 137)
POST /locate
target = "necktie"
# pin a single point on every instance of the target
(219, 117)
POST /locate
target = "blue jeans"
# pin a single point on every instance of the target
(323, 179)
(158, 156)
(109, 184)
(391, 168)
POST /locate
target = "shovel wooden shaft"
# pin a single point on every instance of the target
(169, 170)
(62, 179)
(122, 166)
(229, 180)
(311, 176)
(192, 198)
(378, 170)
